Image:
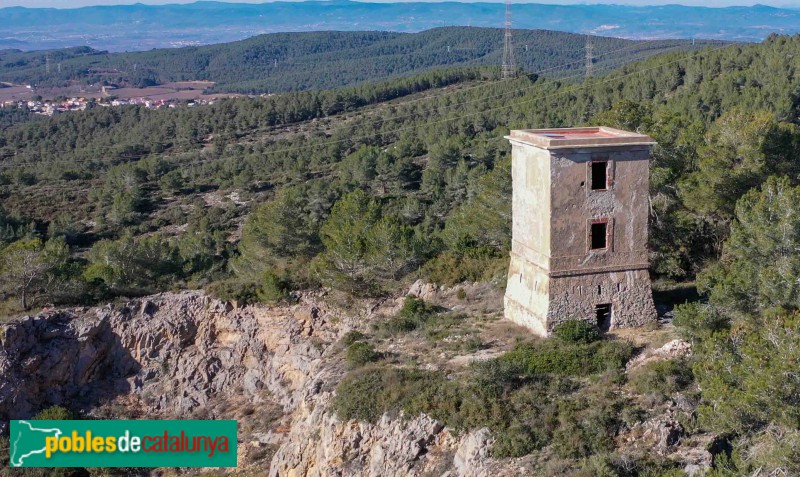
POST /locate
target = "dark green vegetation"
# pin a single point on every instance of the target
(359, 188)
(559, 394)
(323, 60)
(746, 336)
(347, 190)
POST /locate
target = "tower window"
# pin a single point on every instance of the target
(599, 175)
(598, 235)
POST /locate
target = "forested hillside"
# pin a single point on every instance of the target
(362, 190)
(323, 60)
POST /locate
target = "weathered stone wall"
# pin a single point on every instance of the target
(628, 292)
(575, 204)
(554, 275)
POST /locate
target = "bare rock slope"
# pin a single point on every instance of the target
(185, 354)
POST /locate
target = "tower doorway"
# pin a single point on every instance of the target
(603, 314)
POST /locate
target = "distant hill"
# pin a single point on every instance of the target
(143, 27)
(323, 60)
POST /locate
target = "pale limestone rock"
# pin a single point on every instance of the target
(175, 351)
(473, 453)
(420, 289)
(675, 349)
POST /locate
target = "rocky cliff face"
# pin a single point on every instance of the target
(186, 354)
(174, 352)
(274, 369)
(319, 444)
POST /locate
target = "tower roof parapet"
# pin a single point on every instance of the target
(567, 138)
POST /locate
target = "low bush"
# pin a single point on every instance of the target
(274, 288)
(528, 397)
(234, 290)
(614, 465)
(577, 331)
(365, 394)
(55, 413)
(662, 377)
(414, 314)
(587, 425)
(361, 353)
(352, 336)
(697, 321)
(450, 268)
(553, 357)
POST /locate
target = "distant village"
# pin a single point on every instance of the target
(52, 107)
(61, 100)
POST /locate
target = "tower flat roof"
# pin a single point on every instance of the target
(559, 138)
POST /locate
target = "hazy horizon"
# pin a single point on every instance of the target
(701, 3)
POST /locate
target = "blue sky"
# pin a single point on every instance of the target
(706, 3)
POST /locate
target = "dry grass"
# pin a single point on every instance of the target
(646, 337)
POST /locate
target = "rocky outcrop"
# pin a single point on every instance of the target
(182, 354)
(50, 359)
(275, 369)
(320, 445)
(472, 455)
(675, 349)
(175, 352)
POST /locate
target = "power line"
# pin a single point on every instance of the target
(409, 128)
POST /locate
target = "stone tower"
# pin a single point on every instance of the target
(580, 212)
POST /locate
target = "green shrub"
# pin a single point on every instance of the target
(553, 357)
(518, 440)
(696, 321)
(414, 314)
(273, 288)
(612, 465)
(234, 290)
(54, 413)
(587, 425)
(353, 336)
(450, 268)
(366, 393)
(361, 353)
(662, 377)
(526, 397)
(577, 331)
(497, 376)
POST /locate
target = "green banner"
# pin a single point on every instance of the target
(123, 443)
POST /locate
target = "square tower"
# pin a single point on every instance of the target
(579, 236)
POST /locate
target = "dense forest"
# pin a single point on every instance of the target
(365, 188)
(324, 60)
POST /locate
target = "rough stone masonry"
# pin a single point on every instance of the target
(580, 213)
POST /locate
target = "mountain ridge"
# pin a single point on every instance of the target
(142, 27)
